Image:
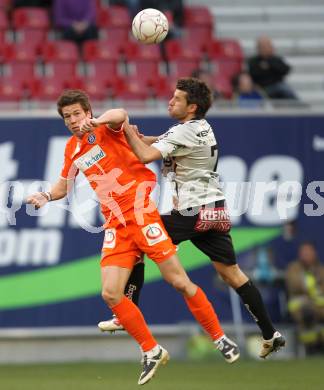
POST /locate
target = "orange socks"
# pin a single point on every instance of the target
(204, 313)
(133, 321)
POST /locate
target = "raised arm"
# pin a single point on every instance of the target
(114, 118)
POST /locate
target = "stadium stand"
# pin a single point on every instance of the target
(3, 25)
(217, 36)
(295, 27)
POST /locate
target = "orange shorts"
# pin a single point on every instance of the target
(124, 245)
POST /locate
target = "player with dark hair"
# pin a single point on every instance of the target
(190, 153)
(98, 148)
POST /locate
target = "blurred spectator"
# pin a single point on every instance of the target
(287, 246)
(268, 71)
(31, 3)
(133, 6)
(246, 94)
(305, 286)
(264, 270)
(76, 19)
(207, 78)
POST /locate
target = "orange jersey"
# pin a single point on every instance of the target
(119, 179)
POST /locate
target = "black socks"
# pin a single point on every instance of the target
(135, 283)
(252, 300)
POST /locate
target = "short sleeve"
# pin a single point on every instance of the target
(120, 129)
(174, 142)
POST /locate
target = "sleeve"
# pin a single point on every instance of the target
(174, 142)
(69, 170)
(61, 19)
(256, 72)
(91, 16)
(118, 130)
(280, 66)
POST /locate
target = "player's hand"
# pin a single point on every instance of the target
(132, 130)
(88, 125)
(39, 199)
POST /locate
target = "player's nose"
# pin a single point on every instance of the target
(73, 119)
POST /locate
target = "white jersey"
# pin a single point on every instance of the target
(190, 156)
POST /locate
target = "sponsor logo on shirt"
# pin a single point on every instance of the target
(203, 133)
(154, 233)
(87, 160)
(110, 238)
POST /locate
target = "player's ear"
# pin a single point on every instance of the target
(192, 108)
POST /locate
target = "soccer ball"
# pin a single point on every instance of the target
(150, 26)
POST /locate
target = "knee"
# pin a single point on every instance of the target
(180, 284)
(233, 276)
(111, 297)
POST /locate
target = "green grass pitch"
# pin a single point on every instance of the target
(244, 375)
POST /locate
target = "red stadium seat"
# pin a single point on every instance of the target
(30, 17)
(118, 36)
(114, 16)
(11, 90)
(197, 15)
(96, 89)
(2, 51)
(145, 71)
(60, 50)
(31, 37)
(103, 71)
(20, 52)
(229, 48)
(64, 71)
(223, 85)
(31, 25)
(198, 25)
(115, 25)
(182, 49)
(22, 71)
(163, 87)
(60, 60)
(3, 25)
(132, 88)
(49, 89)
(135, 51)
(226, 67)
(232, 49)
(199, 36)
(101, 50)
(3, 20)
(5, 4)
(182, 67)
(143, 61)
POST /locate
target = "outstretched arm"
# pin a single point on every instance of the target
(144, 152)
(58, 191)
